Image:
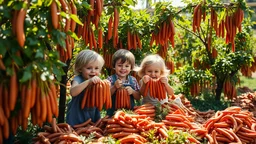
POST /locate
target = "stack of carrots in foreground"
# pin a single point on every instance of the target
(232, 125)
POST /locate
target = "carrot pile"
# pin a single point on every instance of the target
(156, 89)
(122, 99)
(145, 109)
(231, 125)
(97, 95)
(246, 101)
(57, 133)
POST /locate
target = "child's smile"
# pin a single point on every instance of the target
(122, 69)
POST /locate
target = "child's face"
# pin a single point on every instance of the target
(92, 69)
(122, 69)
(153, 70)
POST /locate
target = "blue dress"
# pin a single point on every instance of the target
(76, 115)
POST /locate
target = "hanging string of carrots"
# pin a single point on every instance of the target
(231, 22)
(166, 32)
(35, 97)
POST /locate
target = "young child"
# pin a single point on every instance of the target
(153, 67)
(87, 68)
(123, 61)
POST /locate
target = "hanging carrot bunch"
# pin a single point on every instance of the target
(68, 25)
(214, 52)
(229, 90)
(195, 89)
(232, 23)
(97, 95)
(133, 40)
(165, 32)
(92, 18)
(107, 55)
(170, 65)
(246, 71)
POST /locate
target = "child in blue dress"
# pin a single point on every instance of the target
(87, 68)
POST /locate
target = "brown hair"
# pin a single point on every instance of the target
(124, 55)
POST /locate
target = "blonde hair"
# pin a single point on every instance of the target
(86, 56)
(124, 55)
(152, 59)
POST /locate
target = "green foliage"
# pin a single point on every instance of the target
(27, 135)
(188, 75)
(207, 101)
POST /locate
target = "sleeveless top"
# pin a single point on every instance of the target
(76, 115)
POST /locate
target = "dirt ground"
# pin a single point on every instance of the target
(254, 75)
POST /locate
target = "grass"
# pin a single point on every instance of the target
(249, 82)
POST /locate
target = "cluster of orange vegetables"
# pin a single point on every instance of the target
(230, 125)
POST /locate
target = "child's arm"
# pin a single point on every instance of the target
(117, 85)
(168, 88)
(136, 94)
(77, 88)
(143, 82)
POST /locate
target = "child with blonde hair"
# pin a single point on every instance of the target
(88, 65)
(153, 67)
(123, 62)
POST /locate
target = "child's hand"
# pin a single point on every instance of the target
(95, 80)
(118, 83)
(146, 79)
(129, 90)
(164, 80)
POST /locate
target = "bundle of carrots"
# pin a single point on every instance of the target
(107, 55)
(231, 23)
(122, 99)
(133, 40)
(229, 90)
(35, 97)
(86, 31)
(97, 95)
(69, 25)
(156, 89)
(170, 65)
(112, 31)
(165, 32)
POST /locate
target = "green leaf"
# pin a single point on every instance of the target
(18, 60)
(26, 75)
(130, 2)
(39, 54)
(76, 19)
